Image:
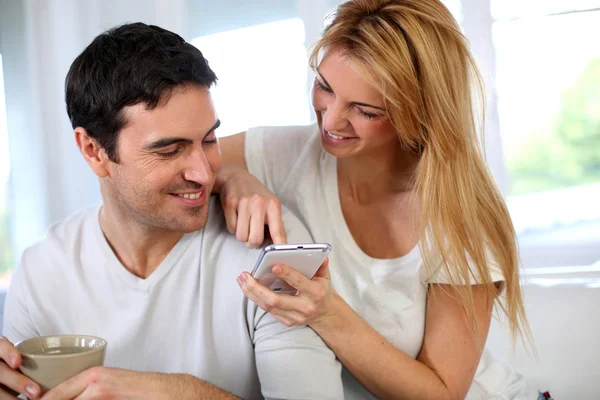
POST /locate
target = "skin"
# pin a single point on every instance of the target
(169, 150)
(374, 183)
(166, 151)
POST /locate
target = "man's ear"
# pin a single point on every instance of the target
(92, 152)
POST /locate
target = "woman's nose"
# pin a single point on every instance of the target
(334, 117)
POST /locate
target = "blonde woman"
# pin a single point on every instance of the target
(393, 176)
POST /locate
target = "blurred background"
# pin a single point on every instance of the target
(541, 63)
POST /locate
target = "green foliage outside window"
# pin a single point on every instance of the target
(570, 155)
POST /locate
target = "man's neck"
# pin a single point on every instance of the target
(140, 249)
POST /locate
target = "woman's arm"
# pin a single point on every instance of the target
(447, 362)
(234, 159)
(248, 205)
(448, 359)
(232, 150)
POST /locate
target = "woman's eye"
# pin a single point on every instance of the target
(366, 114)
(322, 87)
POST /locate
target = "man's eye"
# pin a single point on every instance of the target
(170, 153)
(210, 139)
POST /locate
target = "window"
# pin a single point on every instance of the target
(263, 75)
(516, 9)
(6, 254)
(455, 7)
(540, 58)
(548, 85)
(544, 65)
(263, 72)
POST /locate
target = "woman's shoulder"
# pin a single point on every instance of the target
(291, 137)
(281, 149)
(306, 129)
(442, 273)
(280, 156)
(278, 147)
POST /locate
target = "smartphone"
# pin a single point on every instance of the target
(303, 257)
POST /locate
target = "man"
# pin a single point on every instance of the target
(153, 269)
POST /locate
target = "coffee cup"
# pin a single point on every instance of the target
(51, 360)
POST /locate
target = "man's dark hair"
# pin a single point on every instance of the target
(124, 66)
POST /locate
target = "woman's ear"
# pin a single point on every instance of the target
(92, 152)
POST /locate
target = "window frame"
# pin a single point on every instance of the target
(477, 22)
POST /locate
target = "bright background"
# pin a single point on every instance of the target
(540, 60)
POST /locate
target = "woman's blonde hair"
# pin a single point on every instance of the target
(414, 53)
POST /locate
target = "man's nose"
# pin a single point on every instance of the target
(198, 169)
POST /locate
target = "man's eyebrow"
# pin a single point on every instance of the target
(357, 103)
(214, 128)
(165, 142)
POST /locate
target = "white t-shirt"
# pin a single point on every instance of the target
(390, 294)
(189, 316)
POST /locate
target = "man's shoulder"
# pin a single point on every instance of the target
(219, 245)
(295, 229)
(72, 228)
(64, 236)
(217, 242)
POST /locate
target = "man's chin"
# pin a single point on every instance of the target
(194, 222)
(191, 229)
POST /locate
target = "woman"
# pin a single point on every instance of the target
(393, 176)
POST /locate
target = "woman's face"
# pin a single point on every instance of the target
(350, 113)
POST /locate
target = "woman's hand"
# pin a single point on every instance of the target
(310, 305)
(249, 206)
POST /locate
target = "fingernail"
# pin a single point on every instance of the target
(243, 278)
(32, 390)
(277, 269)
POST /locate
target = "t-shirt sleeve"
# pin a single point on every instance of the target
(272, 152)
(440, 275)
(18, 324)
(293, 363)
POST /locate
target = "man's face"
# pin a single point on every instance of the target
(168, 158)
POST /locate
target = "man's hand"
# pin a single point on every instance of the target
(12, 382)
(101, 383)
